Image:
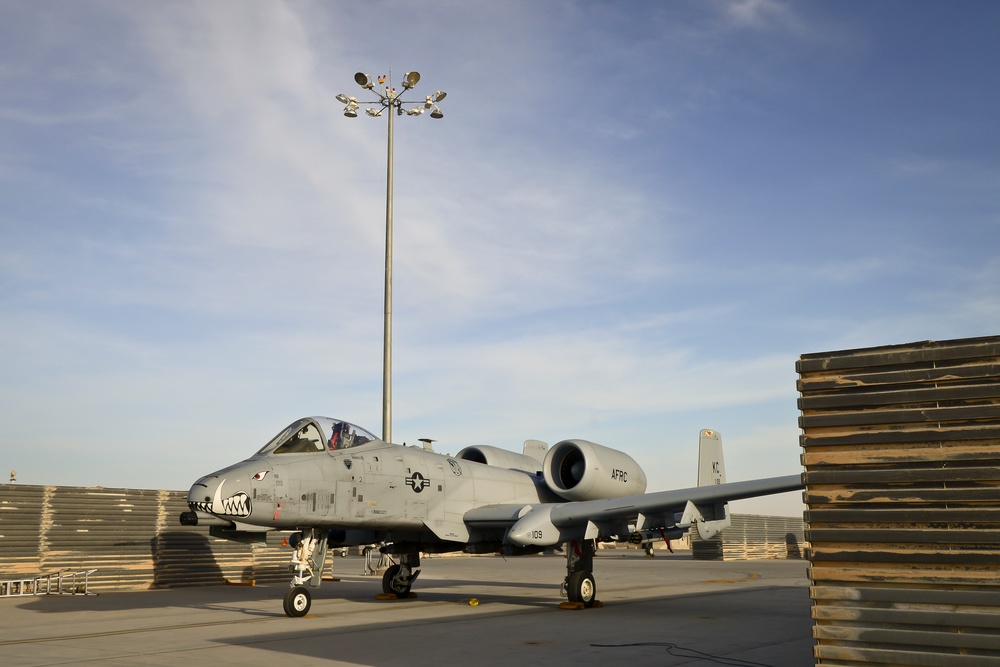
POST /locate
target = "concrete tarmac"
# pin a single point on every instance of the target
(667, 610)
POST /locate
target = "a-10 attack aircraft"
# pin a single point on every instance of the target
(339, 485)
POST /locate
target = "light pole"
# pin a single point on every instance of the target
(389, 99)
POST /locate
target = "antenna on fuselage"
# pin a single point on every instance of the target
(428, 444)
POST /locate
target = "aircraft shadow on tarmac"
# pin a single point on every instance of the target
(206, 597)
(774, 622)
(530, 580)
(183, 558)
(239, 598)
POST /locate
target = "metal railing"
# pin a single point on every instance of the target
(54, 583)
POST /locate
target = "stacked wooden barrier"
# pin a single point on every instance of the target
(753, 537)
(901, 448)
(132, 537)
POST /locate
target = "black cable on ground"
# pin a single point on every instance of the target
(684, 652)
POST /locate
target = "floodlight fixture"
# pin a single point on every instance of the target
(374, 113)
(411, 79)
(342, 98)
(416, 111)
(437, 113)
(430, 100)
(364, 80)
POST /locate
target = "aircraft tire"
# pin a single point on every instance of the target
(391, 585)
(297, 601)
(582, 588)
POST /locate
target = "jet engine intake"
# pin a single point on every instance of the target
(583, 470)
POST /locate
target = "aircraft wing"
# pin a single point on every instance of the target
(553, 523)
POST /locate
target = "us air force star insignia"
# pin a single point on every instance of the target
(417, 481)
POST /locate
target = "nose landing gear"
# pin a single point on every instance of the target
(307, 567)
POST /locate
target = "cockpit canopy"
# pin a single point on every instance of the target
(316, 434)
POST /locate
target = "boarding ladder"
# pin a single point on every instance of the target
(63, 582)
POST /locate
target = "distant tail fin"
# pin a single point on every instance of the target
(535, 449)
(713, 518)
(711, 467)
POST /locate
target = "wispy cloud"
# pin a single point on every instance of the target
(763, 15)
(627, 226)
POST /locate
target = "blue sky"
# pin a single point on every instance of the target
(633, 219)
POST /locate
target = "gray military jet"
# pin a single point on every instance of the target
(339, 485)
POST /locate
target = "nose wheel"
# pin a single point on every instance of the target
(308, 560)
(298, 599)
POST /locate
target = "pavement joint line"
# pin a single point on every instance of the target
(134, 631)
(184, 626)
(750, 576)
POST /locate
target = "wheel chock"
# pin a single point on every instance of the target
(393, 596)
(580, 605)
(250, 582)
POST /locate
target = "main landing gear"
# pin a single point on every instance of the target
(580, 586)
(307, 567)
(398, 579)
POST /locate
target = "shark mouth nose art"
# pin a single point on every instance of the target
(237, 504)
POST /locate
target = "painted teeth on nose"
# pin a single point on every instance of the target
(237, 504)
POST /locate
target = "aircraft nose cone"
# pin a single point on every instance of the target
(228, 492)
(202, 492)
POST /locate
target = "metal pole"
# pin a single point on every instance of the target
(387, 339)
(388, 101)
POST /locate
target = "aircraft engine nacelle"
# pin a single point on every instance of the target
(500, 458)
(583, 470)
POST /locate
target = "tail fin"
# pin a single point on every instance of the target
(712, 518)
(711, 467)
(535, 449)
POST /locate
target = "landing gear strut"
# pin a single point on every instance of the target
(307, 568)
(398, 579)
(580, 585)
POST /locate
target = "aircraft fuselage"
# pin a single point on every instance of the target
(376, 486)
